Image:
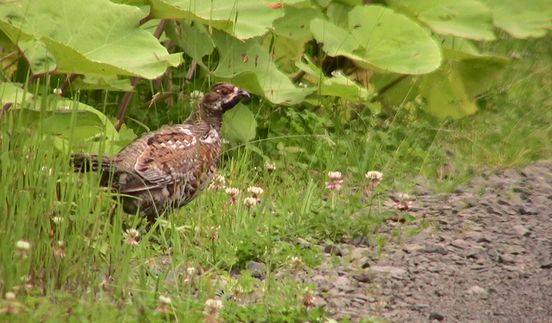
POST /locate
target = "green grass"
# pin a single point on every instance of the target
(190, 255)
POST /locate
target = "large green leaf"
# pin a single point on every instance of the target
(39, 58)
(193, 39)
(295, 24)
(446, 95)
(392, 42)
(100, 82)
(455, 48)
(248, 64)
(480, 74)
(88, 36)
(337, 85)
(463, 18)
(13, 93)
(522, 19)
(335, 40)
(239, 124)
(380, 39)
(241, 18)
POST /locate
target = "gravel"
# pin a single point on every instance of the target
(487, 257)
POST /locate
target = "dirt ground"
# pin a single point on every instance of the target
(487, 257)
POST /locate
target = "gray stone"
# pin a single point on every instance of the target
(521, 230)
(395, 272)
(436, 316)
(333, 250)
(257, 269)
(364, 276)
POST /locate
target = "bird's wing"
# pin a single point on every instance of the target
(169, 156)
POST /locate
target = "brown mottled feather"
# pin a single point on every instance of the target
(170, 166)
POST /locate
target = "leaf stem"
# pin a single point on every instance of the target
(123, 106)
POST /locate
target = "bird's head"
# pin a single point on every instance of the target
(223, 97)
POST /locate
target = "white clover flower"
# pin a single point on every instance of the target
(374, 176)
(196, 97)
(165, 300)
(57, 219)
(404, 197)
(334, 175)
(164, 304)
(132, 237)
(251, 201)
(218, 183)
(57, 91)
(10, 296)
(404, 202)
(232, 191)
(59, 251)
(270, 166)
(23, 245)
(336, 181)
(255, 190)
(309, 299)
(212, 307)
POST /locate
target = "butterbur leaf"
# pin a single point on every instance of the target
(97, 82)
(39, 58)
(522, 19)
(249, 65)
(13, 93)
(338, 85)
(462, 18)
(381, 39)
(446, 95)
(392, 42)
(239, 124)
(244, 19)
(88, 36)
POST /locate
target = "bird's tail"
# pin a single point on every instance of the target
(83, 163)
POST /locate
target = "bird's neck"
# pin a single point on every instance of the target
(206, 116)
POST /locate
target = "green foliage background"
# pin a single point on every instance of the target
(436, 89)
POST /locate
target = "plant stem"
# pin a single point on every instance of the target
(123, 106)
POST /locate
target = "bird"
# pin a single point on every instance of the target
(167, 168)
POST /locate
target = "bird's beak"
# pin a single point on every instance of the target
(244, 95)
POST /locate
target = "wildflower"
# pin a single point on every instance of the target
(233, 193)
(132, 237)
(23, 247)
(269, 166)
(164, 305)
(404, 202)
(251, 201)
(191, 271)
(218, 183)
(336, 181)
(10, 296)
(215, 233)
(309, 299)
(296, 262)
(374, 178)
(59, 251)
(57, 219)
(57, 91)
(212, 309)
(195, 97)
(46, 170)
(255, 191)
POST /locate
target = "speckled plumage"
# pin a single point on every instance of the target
(170, 166)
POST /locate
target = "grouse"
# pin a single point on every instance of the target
(168, 167)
